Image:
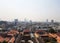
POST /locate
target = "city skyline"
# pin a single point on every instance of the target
(35, 10)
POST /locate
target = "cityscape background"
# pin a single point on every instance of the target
(29, 21)
(35, 10)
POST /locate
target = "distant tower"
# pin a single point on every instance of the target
(16, 21)
(31, 21)
(52, 21)
(47, 20)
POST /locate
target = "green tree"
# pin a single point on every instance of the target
(52, 30)
(5, 42)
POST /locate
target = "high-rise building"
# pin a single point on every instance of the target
(52, 21)
(47, 20)
(16, 21)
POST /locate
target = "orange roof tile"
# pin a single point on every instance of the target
(12, 40)
(1, 39)
(26, 30)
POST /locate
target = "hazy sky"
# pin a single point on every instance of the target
(36, 10)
